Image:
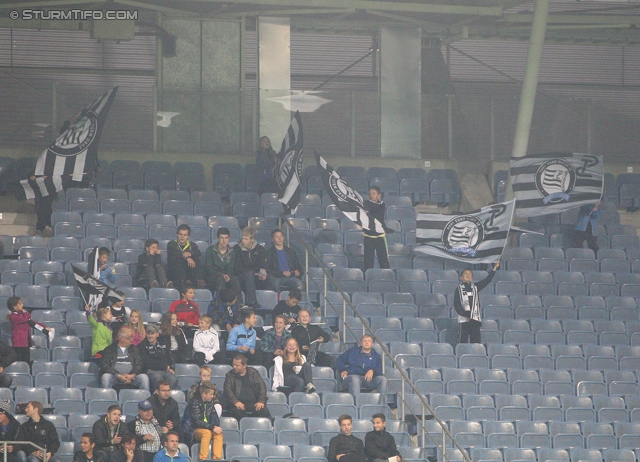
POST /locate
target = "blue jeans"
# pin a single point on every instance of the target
(157, 376)
(141, 381)
(353, 383)
(19, 456)
(289, 283)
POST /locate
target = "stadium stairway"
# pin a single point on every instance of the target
(17, 218)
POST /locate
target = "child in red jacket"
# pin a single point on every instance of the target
(21, 325)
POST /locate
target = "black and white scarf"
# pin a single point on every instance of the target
(466, 304)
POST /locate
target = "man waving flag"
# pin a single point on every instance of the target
(290, 160)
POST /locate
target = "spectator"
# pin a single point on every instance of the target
(7, 357)
(225, 312)
(282, 263)
(267, 162)
(173, 335)
(88, 451)
(273, 340)
(186, 309)
(379, 444)
(39, 431)
(101, 333)
(361, 367)
(345, 444)
(203, 423)
(242, 338)
(147, 430)
(184, 259)
(205, 376)
(157, 361)
(586, 226)
(127, 452)
(136, 324)
(10, 430)
(151, 272)
(106, 273)
(21, 325)
(120, 313)
(165, 408)
(250, 266)
(292, 370)
(220, 261)
(309, 336)
(122, 363)
(466, 302)
(289, 307)
(375, 241)
(245, 390)
(171, 451)
(206, 345)
(109, 430)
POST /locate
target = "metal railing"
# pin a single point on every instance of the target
(5, 454)
(342, 313)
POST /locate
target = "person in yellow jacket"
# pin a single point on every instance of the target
(100, 329)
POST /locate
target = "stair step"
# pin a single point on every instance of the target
(18, 230)
(12, 218)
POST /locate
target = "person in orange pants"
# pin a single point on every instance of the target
(203, 423)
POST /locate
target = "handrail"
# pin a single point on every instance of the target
(346, 300)
(21, 443)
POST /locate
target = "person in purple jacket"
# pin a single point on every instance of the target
(361, 367)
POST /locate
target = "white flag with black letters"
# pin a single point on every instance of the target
(474, 237)
(290, 160)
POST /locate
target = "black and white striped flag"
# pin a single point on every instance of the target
(94, 270)
(72, 155)
(347, 199)
(93, 286)
(474, 237)
(554, 182)
(290, 160)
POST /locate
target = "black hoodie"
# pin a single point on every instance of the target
(12, 433)
(350, 445)
(380, 445)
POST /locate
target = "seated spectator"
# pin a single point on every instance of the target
(88, 451)
(205, 376)
(39, 431)
(147, 430)
(250, 266)
(345, 445)
(171, 451)
(206, 345)
(101, 333)
(127, 451)
(309, 336)
(10, 430)
(7, 357)
(379, 444)
(242, 339)
(122, 363)
(120, 313)
(225, 311)
(165, 408)
(282, 263)
(157, 361)
(292, 370)
(151, 272)
(186, 309)
(273, 340)
(109, 429)
(183, 258)
(106, 273)
(203, 423)
(220, 261)
(289, 307)
(173, 335)
(136, 324)
(361, 367)
(245, 391)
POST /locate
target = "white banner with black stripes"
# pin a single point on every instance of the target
(474, 237)
(554, 182)
(290, 161)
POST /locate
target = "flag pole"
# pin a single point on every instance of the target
(83, 299)
(513, 211)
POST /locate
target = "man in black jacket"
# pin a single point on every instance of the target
(10, 430)
(88, 451)
(165, 408)
(306, 333)
(379, 443)
(245, 390)
(183, 257)
(109, 429)
(250, 266)
(345, 446)
(40, 431)
(7, 357)
(122, 363)
(157, 361)
(282, 263)
(128, 451)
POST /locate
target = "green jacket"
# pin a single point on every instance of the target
(216, 263)
(102, 335)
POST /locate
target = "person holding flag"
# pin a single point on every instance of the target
(375, 242)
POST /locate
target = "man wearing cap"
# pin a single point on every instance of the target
(127, 451)
(166, 409)
(157, 361)
(109, 429)
(7, 357)
(10, 430)
(171, 452)
(147, 430)
(122, 363)
(40, 431)
(88, 452)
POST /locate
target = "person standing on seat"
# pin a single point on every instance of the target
(586, 226)
(183, 258)
(374, 241)
(361, 367)
(466, 302)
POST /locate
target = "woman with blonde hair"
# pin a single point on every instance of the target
(291, 369)
(137, 326)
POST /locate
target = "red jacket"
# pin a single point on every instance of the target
(186, 311)
(20, 329)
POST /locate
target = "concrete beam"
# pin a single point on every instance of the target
(573, 19)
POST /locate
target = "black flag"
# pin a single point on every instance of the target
(290, 160)
(93, 286)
